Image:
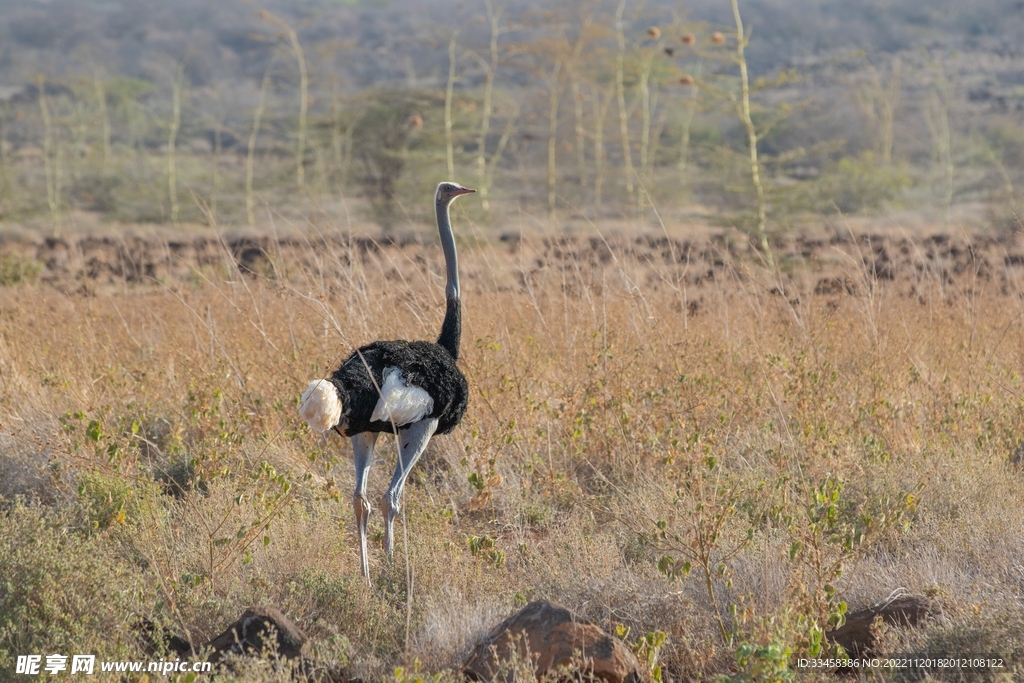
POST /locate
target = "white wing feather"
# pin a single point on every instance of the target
(399, 402)
(320, 407)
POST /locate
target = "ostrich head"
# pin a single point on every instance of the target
(448, 191)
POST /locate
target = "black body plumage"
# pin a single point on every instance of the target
(423, 364)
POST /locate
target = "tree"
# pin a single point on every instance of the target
(292, 37)
(382, 141)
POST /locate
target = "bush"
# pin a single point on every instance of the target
(109, 500)
(61, 592)
(384, 144)
(96, 192)
(856, 184)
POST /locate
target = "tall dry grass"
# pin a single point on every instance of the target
(660, 434)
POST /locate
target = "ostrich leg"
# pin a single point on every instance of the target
(412, 441)
(362, 447)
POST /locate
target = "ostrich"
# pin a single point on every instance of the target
(413, 388)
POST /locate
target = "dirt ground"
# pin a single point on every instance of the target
(831, 262)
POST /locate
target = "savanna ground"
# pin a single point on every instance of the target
(663, 433)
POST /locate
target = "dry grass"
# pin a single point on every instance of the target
(636, 405)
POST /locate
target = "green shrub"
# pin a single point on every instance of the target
(62, 592)
(856, 184)
(109, 500)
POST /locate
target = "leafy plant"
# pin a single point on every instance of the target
(647, 649)
(485, 546)
(761, 664)
(704, 505)
(111, 500)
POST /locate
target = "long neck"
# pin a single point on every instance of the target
(451, 328)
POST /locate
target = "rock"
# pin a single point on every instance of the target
(157, 641)
(856, 636)
(551, 637)
(249, 635)
(1017, 457)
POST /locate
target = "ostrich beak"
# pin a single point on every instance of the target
(462, 190)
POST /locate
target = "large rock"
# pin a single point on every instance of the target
(550, 637)
(251, 634)
(259, 629)
(856, 635)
